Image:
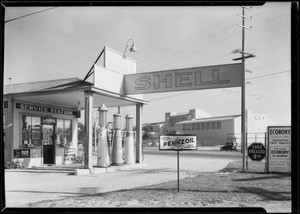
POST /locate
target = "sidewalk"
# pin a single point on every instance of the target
(23, 187)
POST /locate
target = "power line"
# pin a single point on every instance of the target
(271, 47)
(186, 48)
(29, 14)
(190, 38)
(202, 49)
(196, 91)
(268, 75)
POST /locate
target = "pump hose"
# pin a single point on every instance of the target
(112, 142)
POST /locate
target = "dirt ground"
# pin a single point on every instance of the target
(227, 188)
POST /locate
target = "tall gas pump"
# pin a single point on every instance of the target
(103, 159)
(117, 151)
(129, 142)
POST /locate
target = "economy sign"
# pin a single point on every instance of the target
(209, 77)
(279, 138)
(173, 142)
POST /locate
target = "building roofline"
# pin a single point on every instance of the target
(209, 119)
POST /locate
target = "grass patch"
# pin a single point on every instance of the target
(227, 188)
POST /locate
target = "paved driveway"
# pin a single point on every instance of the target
(23, 187)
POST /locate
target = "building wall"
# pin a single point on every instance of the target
(256, 123)
(15, 140)
(171, 118)
(208, 137)
(8, 126)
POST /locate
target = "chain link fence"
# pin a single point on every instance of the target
(261, 137)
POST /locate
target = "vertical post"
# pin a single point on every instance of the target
(139, 108)
(95, 137)
(178, 171)
(88, 130)
(267, 150)
(247, 137)
(243, 110)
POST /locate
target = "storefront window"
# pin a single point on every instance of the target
(64, 132)
(31, 132)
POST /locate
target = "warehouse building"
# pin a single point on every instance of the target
(210, 131)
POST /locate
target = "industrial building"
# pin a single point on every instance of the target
(210, 131)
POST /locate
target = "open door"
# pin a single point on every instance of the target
(48, 144)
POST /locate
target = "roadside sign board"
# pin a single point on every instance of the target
(257, 151)
(279, 141)
(197, 78)
(174, 142)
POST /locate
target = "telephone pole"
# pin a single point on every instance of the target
(243, 95)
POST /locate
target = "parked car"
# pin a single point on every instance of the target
(230, 146)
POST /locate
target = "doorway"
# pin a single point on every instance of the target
(48, 143)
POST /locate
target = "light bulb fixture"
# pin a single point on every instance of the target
(132, 48)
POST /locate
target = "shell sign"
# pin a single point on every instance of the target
(198, 78)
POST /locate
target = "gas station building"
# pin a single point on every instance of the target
(40, 119)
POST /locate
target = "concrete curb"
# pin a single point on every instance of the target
(39, 170)
(100, 170)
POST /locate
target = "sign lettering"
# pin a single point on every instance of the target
(169, 142)
(279, 148)
(219, 76)
(23, 106)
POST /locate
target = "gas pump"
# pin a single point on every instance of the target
(103, 159)
(117, 151)
(129, 142)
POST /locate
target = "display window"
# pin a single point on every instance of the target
(31, 132)
(64, 132)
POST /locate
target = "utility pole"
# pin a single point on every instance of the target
(243, 97)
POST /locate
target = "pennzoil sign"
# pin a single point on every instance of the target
(169, 142)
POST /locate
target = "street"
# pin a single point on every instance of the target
(23, 187)
(215, 154)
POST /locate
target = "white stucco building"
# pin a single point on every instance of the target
(211, 131)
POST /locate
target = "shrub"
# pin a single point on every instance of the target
(14, 164)
(78, 159)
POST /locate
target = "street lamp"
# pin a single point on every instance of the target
(132, 49)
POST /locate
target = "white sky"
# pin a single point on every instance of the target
(64, 42)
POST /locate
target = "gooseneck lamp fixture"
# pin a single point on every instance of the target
(132, 49)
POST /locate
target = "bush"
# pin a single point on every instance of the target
(14, 164)
(78, 159)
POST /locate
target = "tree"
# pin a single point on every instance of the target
(147, 136)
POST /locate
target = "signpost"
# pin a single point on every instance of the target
(177, 143)
(257, 151)
(279, 142)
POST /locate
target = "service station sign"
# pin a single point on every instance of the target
(171, 142)
(279, 138)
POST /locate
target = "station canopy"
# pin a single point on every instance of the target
(69, 93)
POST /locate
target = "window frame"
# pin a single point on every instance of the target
(65, 133)
(30, 138)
